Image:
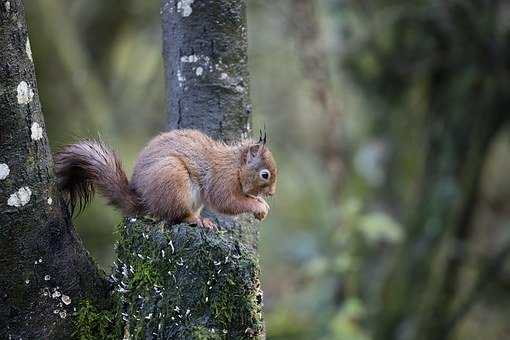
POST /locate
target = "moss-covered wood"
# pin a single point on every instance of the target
(180, 282)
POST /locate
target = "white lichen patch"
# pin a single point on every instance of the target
(7, 6)
(4, 171)
(20, 197)
(180, 78)
(184, 7)
(25, 93)
(28, 49)
(66, 299)
(37, 131)
(50, 201)
(189, 58)
(199, 71)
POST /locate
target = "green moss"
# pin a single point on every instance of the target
(91, 323)
(144, 277)
(202, 333)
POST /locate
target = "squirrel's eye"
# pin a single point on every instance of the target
(264, 174)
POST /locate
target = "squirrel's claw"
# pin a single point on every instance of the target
(207, 223)
(260, 215)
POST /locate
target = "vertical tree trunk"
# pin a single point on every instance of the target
(45, 270)
(206, 66)
(313, 54)
(205, 53)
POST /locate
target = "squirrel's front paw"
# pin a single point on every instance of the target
(262, 212)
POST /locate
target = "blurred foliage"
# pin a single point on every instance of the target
(344, 325)
(407, 77)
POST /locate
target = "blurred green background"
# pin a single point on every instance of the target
(389, 123)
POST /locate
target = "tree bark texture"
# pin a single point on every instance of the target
(44, 268)
(206, 66)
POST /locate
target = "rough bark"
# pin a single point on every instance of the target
(206, 70)
(44, 268)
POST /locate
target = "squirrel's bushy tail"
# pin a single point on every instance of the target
(84, 166)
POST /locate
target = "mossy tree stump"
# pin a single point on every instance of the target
(185, 282)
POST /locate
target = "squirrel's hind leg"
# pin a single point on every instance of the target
(167, 191)
(170, 194)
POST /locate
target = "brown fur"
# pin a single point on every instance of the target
(175, 175)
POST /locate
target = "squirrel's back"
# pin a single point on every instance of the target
(197, 151)
(186, 143)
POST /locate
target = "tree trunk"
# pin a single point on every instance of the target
(45, 270)
(206, 66)
(313, 55)
(183, 282)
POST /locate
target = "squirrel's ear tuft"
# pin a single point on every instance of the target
(263, 137)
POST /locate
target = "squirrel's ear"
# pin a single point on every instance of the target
(253, 153)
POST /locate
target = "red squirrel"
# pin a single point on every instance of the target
(175, 175)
